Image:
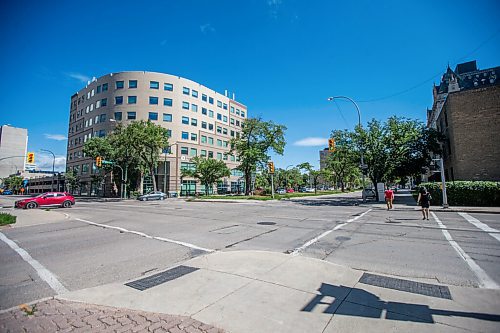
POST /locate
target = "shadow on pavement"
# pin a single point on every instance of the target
(337, 201)
(368, 305)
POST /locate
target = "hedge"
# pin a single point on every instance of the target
(466, 193)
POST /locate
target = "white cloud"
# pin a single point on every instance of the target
(57, 137)
(274, 7)
(206, 29)
(44, 162)
(80, 77)
(311, 142)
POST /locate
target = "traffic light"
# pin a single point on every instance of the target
(98, 161)
(270, 167)
(331, 144)
(30, 158)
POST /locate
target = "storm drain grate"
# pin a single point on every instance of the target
(157, 279)
(266, 223)
(427, 289)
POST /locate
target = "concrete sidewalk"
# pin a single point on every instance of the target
(254, 291)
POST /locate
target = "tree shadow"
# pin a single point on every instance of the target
(362, 303)
(337, 201)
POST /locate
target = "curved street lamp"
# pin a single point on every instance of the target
(53, 167)
(362, 166)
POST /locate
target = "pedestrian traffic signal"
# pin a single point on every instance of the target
(270, 167)
(98, 161)
(30, 158)
(331, 144)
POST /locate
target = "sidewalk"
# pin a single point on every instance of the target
(256, 291)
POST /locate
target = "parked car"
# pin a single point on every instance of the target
(281, 191)
(290, 190)
(370, 193)
(309, 189)
(154, 195)
(48, 199)
(7, 192)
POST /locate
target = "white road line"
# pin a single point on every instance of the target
(43, 272)
(297, 250)
(484, 280)
(491, 231)
(146, 236)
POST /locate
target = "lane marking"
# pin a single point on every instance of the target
(297, 250)
(491, 231)
(484, 280)
(42, 272)
(192, 246)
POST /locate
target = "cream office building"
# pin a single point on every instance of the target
(200, 121)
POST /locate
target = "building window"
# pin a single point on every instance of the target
(118, 100)
(219, 116)
(219, 104)
(225, 143)
(168, 86)
(194, 93)
(185, 136)
(194, 107)
(231, 121)
(184, 150)
(132, 99)
(219, 156)
(232, 134)
(204, 111)
(104, 87)
(154, 85)
(203, 139)
(237, 123)
(185, 90)
(185, 120)
(219, 129)
(210, 113)
(193, 152)
(225, 106)
(211, 127)
(167, 117)
(194, 137)
(98, 89)
(219, 143)
(104, 102)
(203, 153)
(204, 97)
(153, 100)
(131, 115)
(102, 118)
(185, 105)
(132, 84)
(242, 114)
(232, 109)
(224, 119)
(210, 100)
(210, 154)
(211, 141)
(194, 122)
(118, 116)
(224, 131)
(232, 158)
(153, 116)
(204, 124)
(238, 112)
(169, 133)
(119, 85)
(167, 102)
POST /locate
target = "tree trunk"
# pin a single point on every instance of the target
(248, 179)
(342, 185)
(152, 173)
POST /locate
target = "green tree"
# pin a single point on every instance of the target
(343, 162)
(207, 170)
(13, 183)
(258, 138)
(313, 175)
(72, 181)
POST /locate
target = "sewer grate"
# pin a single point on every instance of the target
(427, 289)
(266, 223)
(157, 279)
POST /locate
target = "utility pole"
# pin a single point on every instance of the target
(443, 182)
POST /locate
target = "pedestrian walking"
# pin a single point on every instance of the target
(424, 200)
(389, 198)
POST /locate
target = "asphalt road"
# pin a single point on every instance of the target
(99, 242)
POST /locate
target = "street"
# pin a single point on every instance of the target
(98, 243)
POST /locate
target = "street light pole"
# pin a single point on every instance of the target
(286, 175)
(361, 144)
(53, 167)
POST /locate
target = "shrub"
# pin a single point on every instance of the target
(466, 193)
(7, 219)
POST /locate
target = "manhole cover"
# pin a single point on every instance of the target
(266, 223)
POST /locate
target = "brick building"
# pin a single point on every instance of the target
(466, 110)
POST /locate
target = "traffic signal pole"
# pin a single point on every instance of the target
(272, 185)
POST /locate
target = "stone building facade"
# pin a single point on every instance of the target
(466, 110)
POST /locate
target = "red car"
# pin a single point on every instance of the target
(55, 199)
(290, 190)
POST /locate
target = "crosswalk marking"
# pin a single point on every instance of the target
(491, 231)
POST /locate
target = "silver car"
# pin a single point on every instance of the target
(154, 195)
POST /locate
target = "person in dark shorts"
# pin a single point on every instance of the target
(424, 200)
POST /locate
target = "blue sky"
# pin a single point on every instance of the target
(281, 58)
